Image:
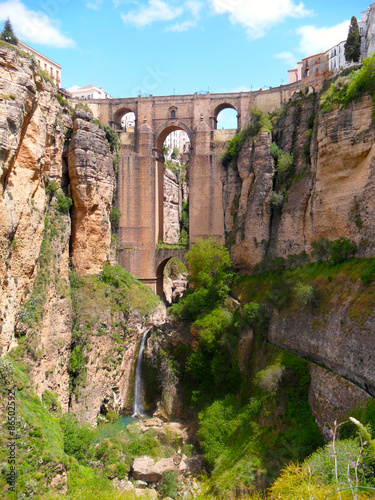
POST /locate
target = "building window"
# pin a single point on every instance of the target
(57, 75)
(173, 113)
(38, 62)
(51, 71)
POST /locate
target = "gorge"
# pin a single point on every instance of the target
(247, 373)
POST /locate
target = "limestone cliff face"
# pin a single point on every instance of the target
(247, 190)
(31, 141)
(332, 191)
(93, 183)
(48, 153)
(337, 198)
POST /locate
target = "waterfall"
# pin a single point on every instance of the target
(138, 385)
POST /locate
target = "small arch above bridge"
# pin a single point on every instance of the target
(219, 110)
(119, 115)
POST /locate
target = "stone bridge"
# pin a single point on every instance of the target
(140, 180)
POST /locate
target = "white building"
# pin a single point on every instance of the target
(89, 92)
(178, 139)
(52, 69)
(336, 57)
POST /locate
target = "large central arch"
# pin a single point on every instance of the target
(161, 134)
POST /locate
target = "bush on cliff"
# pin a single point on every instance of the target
(210, 274)
(257, 121)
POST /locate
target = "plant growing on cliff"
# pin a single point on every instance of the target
(63, 202)
(257, 120)
(210, 273)
(347, 89)
(8, 35)
(352, 46)
(114, 217)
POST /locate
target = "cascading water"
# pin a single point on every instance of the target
(138, 382)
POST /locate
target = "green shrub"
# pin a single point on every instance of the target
(49, 399)
(276, 201)
(114, 217)
(77, 439)
(51, 187)
(257, 121)
(256, 315)
(275, 151)
(368, 275)
(169, 484)
(63, 202)
(305, 294)
(321, 249)
(279, 293)
(342, 249)
(284, 169)
(217, 422)
(6, 372)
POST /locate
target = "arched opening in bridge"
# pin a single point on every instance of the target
(171, 281)
(124, 120)
(172, 194)
(226, 117)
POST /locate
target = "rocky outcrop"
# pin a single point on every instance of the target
(32, 126)
(332, 189)
(331, 398)
(339, 336)
(92, 181)
(247, 190)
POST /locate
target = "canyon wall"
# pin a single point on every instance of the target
(332, 192)
(331, 195)
(56, 192)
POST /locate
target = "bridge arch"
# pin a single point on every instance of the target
(163, 256)
(119, 114)
(221, 107)
(161, 134)
(167, 127)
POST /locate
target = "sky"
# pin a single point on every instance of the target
(166, 47)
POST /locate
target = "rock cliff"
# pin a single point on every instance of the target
(56, 192)
(331, 193)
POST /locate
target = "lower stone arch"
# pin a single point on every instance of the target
(163, 256)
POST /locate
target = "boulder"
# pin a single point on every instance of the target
(146, 469)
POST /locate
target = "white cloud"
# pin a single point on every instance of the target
(193, 9)
(259, 16)
(183, 26)
(315, 40)
(155, 10)
(94, 4)
(288, 58)
(32, 26)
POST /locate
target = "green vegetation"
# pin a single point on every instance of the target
(49, 444)
(45, 76)
(210, 273)
(115, 291)
(31, 313)
(348, 88)
(8, 35)
(258, 120)
(114, 217)
(353, 43)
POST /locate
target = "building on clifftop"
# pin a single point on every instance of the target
(50, 67)
(89, 92)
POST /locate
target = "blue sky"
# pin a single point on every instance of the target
(162, 47)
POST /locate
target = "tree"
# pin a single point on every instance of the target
(8, 34)
(353, 43)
